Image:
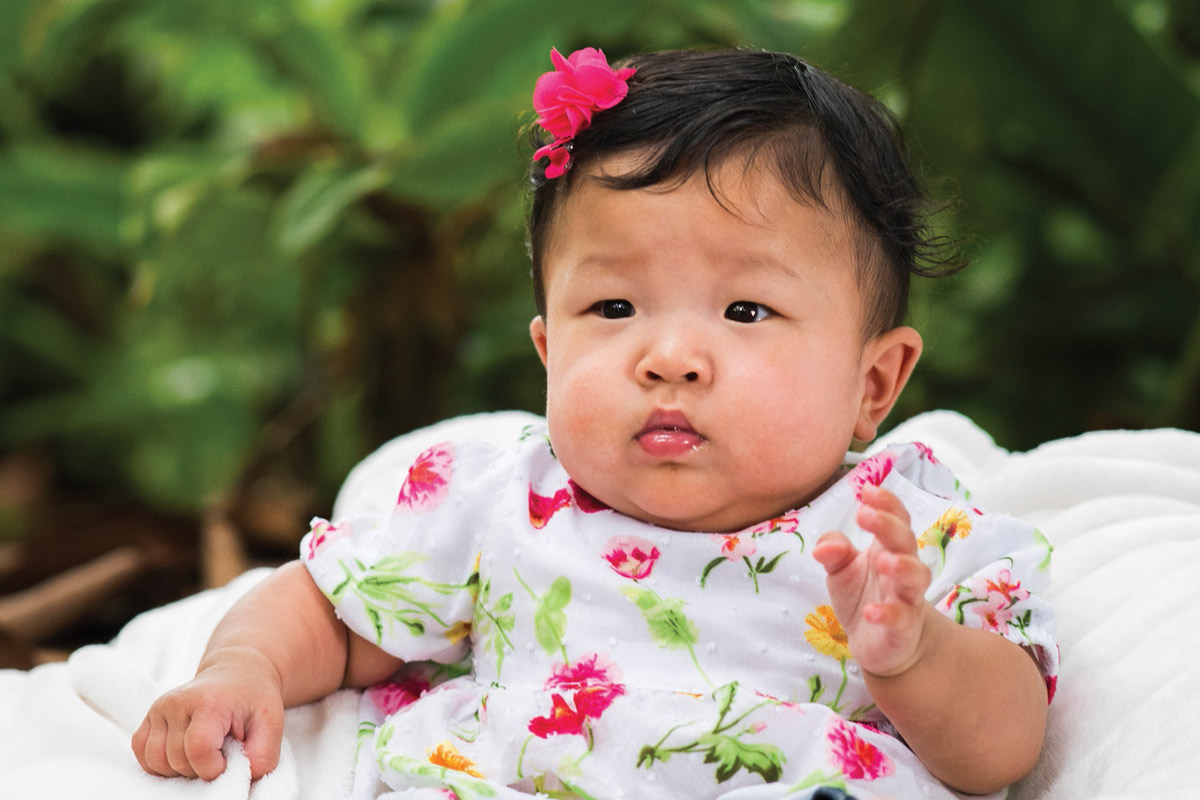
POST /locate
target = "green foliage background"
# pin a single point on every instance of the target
(245, 239)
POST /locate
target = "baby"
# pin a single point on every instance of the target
(683, 586)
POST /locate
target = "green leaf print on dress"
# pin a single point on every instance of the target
(494, 623)
(1042, 541)
(634, 558)
(727, 750)
(388, 592)
(549, 615)
(741, 546)
(670, 628)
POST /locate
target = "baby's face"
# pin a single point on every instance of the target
(705, 369)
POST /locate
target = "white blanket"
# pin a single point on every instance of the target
(1122, 508)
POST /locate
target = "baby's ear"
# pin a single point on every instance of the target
(537, 332)
(888, 361)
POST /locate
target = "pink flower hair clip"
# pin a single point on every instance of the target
(566, 97)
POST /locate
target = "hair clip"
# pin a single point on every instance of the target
(566, 98)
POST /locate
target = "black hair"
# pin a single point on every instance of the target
(690, 110)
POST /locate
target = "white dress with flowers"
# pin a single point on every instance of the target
(557, 646)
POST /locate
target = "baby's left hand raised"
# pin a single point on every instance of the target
(878, 593)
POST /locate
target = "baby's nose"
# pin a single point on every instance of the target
(675, 358)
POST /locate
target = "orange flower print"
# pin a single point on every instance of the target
(445, 755)
(735, 546)
(826, 634)
(428, 480)
(458, 631)
(1002, 586)
(952, 524)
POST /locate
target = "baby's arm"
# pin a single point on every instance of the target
(970, 704)
(281, 645)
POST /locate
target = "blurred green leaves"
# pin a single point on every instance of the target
(251, 239)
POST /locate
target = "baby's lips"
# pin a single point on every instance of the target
(668, 434)
(667, 420)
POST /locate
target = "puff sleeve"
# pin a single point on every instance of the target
(990, 570)
(407, 581)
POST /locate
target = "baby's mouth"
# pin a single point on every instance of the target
(668, 434)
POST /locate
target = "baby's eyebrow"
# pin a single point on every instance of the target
(603, 264)
(599, 261)
(768, 264)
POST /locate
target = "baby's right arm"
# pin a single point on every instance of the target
(280, 646)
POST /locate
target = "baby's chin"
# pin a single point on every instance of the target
(689, 517)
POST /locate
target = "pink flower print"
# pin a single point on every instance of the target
(323, 533)
(1011, 592)
(562, 719)
(857, 758)
(873, 471)
(926, 452)
(788, 523)
(758, 727)
(391, 696)
(591, 680)
(780, 703)
(428, 480)
(591, 670)
(630, 556)
(592, 701)
(584, 501)
(735, 546)
(947, 603)
(541, 509)
(993, 611)
(1051, 687)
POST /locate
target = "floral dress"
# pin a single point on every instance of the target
(554, 645)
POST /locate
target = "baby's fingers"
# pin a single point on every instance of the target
(883, 515)
(891, 615)
(908, 576)
(263, 739)
(202, 744)
(150, 746)
(176, 754)
(834, 552)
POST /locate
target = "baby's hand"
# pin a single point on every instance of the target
(878, 594)
(185, 728)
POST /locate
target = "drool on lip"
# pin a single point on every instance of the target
(668, 434)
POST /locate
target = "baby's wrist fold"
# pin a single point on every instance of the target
(243, 660)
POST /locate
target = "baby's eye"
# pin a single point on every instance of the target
(745, 311)
(613, 309)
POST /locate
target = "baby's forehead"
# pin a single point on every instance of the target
(745, 196)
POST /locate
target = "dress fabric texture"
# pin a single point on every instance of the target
(557, 646)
